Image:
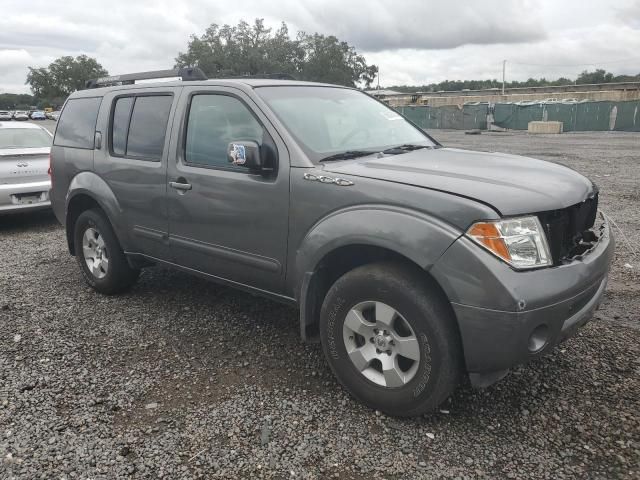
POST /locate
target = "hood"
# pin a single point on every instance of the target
(511, 184)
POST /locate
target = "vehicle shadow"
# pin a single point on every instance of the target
(250, 323)
(41, 220)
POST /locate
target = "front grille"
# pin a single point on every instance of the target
(566, 229)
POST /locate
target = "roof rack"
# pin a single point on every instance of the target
(186, 74)
(266, 76)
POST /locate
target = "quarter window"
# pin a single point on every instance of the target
(215, 121)
(139, 126)
(77, 124)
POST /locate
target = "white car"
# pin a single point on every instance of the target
(24, 167)
(20, 115)
(5, 116)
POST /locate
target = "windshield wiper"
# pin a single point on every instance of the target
(403, 148)
(347, 155)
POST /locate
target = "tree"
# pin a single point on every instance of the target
(598, 76)
(15, 101)
(326, 59)
(64, 76)
(254, 49)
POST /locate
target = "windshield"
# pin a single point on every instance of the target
(24, 138)
(327, 121)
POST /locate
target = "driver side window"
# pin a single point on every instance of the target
(213, 122)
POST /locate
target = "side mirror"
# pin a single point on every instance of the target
(245, 153)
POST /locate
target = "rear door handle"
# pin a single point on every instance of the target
(180, 186)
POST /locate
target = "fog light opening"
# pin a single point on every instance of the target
(538, 338)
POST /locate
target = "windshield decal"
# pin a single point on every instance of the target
(390, 115)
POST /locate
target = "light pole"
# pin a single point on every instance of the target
(504, 66)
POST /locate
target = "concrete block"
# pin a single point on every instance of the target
(545, 127)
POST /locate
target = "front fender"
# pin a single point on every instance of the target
(91, 185)
(417, 236)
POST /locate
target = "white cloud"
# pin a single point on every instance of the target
(413, 41)
(565, 54)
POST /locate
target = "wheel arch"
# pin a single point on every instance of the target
(86, 191)
(361, 236)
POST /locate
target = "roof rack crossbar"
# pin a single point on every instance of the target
(262, 76)
(185, 73)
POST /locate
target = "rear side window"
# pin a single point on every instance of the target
(139, 126)
(121, 115)
(77, 124)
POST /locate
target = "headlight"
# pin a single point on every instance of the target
(518, 241)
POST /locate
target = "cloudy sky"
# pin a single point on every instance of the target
(412, 41)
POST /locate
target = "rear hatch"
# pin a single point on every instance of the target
(24, 165)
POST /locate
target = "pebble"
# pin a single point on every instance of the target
(83, 413)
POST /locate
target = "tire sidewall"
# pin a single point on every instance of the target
(424, 388)
(115, 279)
(84, 222)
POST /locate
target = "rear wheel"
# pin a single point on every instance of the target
(99, 255)
(390, 339)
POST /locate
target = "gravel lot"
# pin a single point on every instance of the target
(180, 378)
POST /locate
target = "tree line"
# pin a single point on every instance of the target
(253, 49)
(597, 76)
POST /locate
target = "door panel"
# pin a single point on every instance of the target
(135, 165)
(223, 220)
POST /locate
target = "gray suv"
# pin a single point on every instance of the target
(413, 264)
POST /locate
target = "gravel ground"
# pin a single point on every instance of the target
(180, 378)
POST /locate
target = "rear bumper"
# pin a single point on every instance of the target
(544, 307)
(10, 197)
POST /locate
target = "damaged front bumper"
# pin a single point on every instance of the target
(508, 317)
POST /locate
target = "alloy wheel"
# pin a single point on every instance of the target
(95, 253)
(381, 344)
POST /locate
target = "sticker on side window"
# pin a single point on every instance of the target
(238, 154)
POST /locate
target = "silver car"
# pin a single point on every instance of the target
(5, 116)
(24, 166)
(21, 115)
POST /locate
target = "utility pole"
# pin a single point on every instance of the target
(504, 66)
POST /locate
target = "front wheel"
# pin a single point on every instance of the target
(99, 255)
(390, 339)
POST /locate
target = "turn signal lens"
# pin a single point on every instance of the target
(520, 242)
(488, 235)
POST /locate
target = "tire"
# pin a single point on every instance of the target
(110, 277)
(422, 327)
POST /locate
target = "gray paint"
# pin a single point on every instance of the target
(496, 305)
(472, 276)
(416, 223)
(267, 234)
(511, 184)
(139, 186)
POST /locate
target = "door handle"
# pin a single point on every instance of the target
(180, 185)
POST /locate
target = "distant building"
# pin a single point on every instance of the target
(381, 92)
